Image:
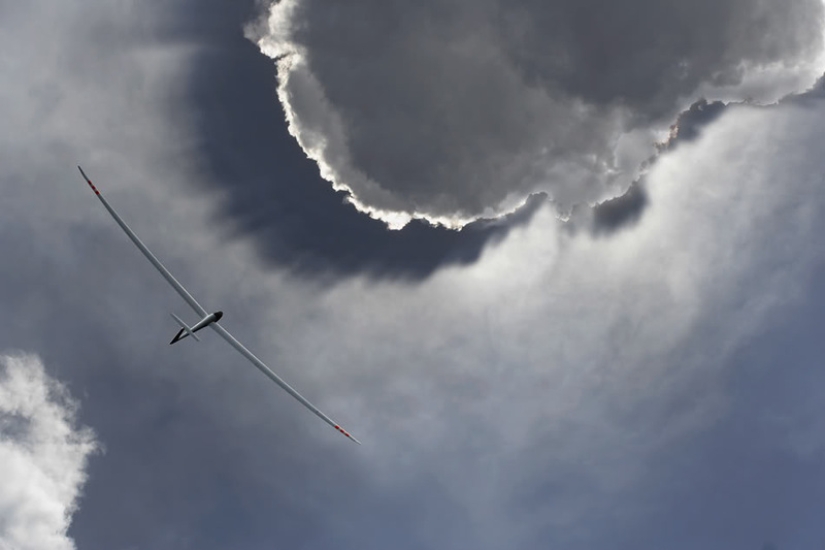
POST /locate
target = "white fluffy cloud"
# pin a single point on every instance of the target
(454, 110)
(43, 457)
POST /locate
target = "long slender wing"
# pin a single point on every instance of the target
(199, 309)
(202, 312)
(277, 379)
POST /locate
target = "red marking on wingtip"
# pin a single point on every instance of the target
(346, 433)
(92, 185)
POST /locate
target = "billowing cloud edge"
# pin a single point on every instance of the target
(759, 84)
(44, 456)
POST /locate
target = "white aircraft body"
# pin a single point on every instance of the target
(209, 319)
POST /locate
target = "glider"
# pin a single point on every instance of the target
(209, 319)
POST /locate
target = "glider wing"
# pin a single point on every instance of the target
(199, 309)
(148, 253)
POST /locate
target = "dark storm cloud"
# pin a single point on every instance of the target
(277, 195)
(647, 54)
(455, 110)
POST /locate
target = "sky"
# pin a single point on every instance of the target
(557, 265)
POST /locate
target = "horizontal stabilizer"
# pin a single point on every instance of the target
(184, 331)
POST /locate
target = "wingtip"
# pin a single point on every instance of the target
(346, 433)
(85, 177)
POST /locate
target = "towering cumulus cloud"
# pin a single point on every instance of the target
(452, 110)
(43, 457)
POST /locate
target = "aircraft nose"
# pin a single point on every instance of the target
(218, 315)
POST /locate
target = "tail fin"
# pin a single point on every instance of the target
(184, 329)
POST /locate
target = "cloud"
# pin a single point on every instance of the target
(43, 457)
(271, 191)
(559, 390)
(454, 111)
(613, 214)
